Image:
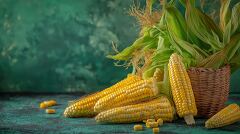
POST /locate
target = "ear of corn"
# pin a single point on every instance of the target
(181, 89)
(131, 94)
(84, 107)
(156, 108)
(226, 116)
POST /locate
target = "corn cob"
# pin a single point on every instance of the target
(226, 116)
(84, 107)
(181, 89)
(131, 94)
(157, 108)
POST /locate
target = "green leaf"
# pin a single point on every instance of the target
(235, 18)
(204, 27)
(166, 88)
(126, 54)
(225, 14)
(227, 33)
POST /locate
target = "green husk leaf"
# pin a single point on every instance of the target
(227, 33)
(183, 2)
(225, 14)
(232, 47)
(149, 72)
(175, 22)
(204, 27)
(235, 18)
(223, 56)
(162, 56)
(166, 88)
(126, 54)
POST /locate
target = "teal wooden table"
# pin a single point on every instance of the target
(20, 113)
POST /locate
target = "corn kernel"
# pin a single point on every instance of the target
(43, 105)
(138, 127)
(46, 104)
(150, 120)
(144, 121)
(160, 122)
(156, 130)
(151, 124)
(50, 111)
(51, 103)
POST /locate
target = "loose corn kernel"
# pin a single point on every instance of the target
(150, 120)
(138, 127)
(51, 103)
(46, 104)
(151, 124)
(43, 105)
(156, 130)
(50, 111)
(160, 122)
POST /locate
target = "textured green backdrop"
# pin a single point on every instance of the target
(60, 45)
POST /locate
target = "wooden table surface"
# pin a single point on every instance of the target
(20, 113)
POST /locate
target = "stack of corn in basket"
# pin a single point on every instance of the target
(181, 68)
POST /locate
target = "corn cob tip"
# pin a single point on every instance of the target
(99, 118)
(154, 86)
(189, 120)
(208, 124)
(66, 112)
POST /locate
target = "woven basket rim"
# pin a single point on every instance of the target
(209, 69)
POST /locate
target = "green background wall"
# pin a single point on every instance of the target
(60, 45)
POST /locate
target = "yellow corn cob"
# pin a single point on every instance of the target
(226, 116)
(131, 94)
(157, 108)
(84, 107)
(181, 89)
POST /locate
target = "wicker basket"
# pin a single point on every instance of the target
(211, 89)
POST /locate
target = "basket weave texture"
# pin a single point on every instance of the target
(211, 89)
